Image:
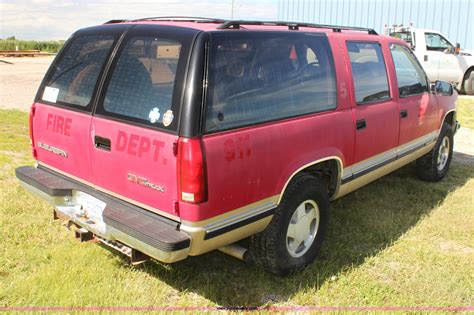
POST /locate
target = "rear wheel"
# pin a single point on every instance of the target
(296, 232)
(434, 165)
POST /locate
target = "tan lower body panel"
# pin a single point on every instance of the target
(382, 171)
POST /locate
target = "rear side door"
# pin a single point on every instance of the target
(134, 129)
(375, 111)
(61, 115)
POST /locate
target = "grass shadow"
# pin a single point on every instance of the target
(363, 224)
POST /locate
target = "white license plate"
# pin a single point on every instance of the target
(92, 206)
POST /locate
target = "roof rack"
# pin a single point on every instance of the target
(115, 21)
(293, 26)
(196, 19)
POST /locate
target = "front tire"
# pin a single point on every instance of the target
(434, 166)
(295, 235)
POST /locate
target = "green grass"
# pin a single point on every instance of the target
(466, 112)
(395, 242)
(49, 46)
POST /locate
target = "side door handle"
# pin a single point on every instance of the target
(403, 113)
(425, 58)
(361, 124)
(102, 143)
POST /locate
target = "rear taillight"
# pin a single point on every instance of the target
(191, 171)
(32, 141)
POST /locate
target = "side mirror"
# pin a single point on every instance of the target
(442, 88)
(457, 51)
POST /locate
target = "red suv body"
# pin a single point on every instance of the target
(175, 138)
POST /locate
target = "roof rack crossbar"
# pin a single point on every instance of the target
(197, 19)
(235, 24)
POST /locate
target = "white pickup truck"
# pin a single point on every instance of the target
(439, 57)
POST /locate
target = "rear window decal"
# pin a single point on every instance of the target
(154, 115)
(50, 94)
(168, 118)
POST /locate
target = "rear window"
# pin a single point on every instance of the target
(73, 78)
(406, 36)
(256, 77)
(142, 86)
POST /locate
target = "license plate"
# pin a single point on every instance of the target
(92, 206)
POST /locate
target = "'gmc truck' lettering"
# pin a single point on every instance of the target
(138, 146)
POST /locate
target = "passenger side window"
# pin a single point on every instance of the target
(368, 72)
(436, 42)
(410, 76)
(257, 77)
(142, 83)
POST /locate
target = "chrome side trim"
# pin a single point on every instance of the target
(240, 217)
(134, 202)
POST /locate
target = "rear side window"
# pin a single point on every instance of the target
(143, 81)
(369, 72)
(410, 76)
(259, 77)
(74, 77)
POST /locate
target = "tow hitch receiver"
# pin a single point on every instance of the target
(83, 235)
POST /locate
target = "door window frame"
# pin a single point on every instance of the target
(376, 102)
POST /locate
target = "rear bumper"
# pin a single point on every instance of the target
(135, 227)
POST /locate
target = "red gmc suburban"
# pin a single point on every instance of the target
(171, 137)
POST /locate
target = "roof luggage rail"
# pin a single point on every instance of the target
(197, 19)
(116, 21)
(294, 26)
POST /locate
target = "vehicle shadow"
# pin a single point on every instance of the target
(362, 224)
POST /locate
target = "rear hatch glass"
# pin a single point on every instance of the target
(73, 77)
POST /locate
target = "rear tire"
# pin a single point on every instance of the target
(295, 235)
(434, 166)
(468, 84)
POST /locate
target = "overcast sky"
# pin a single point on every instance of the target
(56, 19)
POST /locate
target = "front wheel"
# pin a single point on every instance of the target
(294, 236)
(434, 166)
(468, 84)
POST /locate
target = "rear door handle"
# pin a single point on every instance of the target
(361, 124)
(404, 113)
(102, 143)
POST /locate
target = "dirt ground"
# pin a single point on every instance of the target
(20, 80)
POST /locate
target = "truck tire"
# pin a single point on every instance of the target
(434, 166)
(295, 235)
(468, 84)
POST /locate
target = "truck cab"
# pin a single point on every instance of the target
(440, 58)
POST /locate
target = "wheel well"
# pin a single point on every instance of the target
(450, 118)
(328, 171)
(471, 68)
